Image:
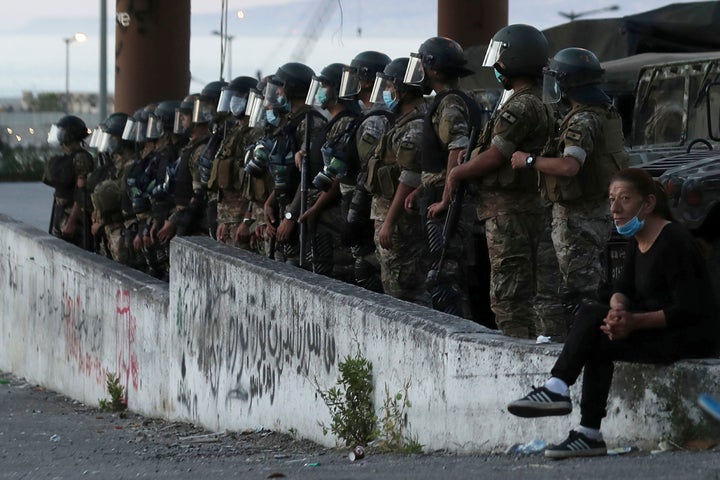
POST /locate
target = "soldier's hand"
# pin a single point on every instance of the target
(308, 215)
(299, 158)
(138, 242)
(410, 201)
(167, 232)
(437, 208)
(220, 232)
(95, 228)
(242, 233)
(269, 214)
(385, 236)
(518, 160)
(68, 230)
(285, 230)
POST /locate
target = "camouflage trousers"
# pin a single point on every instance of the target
(448, 282)
(327, 255)
(230, 212)
(117, 248)
(62, 210)
(579, 236)
(402, 267)
(512, 241)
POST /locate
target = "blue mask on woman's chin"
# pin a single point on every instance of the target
(631, 227)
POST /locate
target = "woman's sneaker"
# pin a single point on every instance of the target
(577, 445)
(541, 402)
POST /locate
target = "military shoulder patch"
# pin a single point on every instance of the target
(508, 117)
(573, 135)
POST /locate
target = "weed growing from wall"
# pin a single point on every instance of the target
(118, 400)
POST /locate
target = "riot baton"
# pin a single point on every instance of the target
(304, 186)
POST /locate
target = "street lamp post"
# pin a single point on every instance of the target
(227, 40)
(78, 37)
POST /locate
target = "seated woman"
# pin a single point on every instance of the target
(662, 310)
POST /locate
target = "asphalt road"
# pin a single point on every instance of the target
(27, 202)
(45, 435)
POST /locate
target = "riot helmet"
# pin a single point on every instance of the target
(389, 87)
(67, 130)
(234, 96)
(112, 129)
(206, 103)
(437, 53)
(577, 73)
(162, 119)
(183, 115)
(518, 50)
(323, 90)
(363, 68)
(291, 80)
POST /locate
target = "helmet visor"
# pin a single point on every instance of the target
(94, 137)
(238, 103)
(312, 92)
(349, 83)
(226, 96)
(202, 111)
(382, 83)
(414, 73)
(255, 109)
(493, 53)
(141, 132)
(274, 95)
(53, 138)
(104, 142)
(154, 128)
(551, 88)
(128, 133)
(178, 127)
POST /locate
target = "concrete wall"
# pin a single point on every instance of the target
(236, 341)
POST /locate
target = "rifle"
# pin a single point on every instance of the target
(304, 186)
(452, 217)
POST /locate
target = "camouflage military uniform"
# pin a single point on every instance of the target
(509, 203)
(64, 200)
(289, 251)
(228, 178)
(190, 215)
(362, 246)
(580, 213)
(396, 160)
(450, 128)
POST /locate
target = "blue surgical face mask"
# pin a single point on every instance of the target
(390, 102)
(237, 105)
(321, 96)
(271, 118)
(499, 76)
(631, 227)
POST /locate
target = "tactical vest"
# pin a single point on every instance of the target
(434, 153)
(383, 168)
(505, 177)
(227, 172)
(593, 178)
(315, 158)
(350, 146)
(183, 186)
(60, 174)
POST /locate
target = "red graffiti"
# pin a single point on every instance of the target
(127, 332)
(75, 334)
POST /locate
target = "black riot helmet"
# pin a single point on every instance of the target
(234, 96)
(67, 130)
(136, 126)
(518, 50)
(162, 120)
(437, 53)
(363, 68)
(206, 104)
(329, 79)
(185, 109)
(295, 79)
(391, 80)
(577, 73)
(111, 132)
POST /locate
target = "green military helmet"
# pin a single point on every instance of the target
(323, 90)
(577, 73)
(362, 69)
(162, 119)
(233, 97)
(206, 104)
(437, 53)
(518, 50)
(295, 79)
(114, 124)
(389, 87)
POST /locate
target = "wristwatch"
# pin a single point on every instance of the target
(247, 221)
(288, 216)
(530, 161)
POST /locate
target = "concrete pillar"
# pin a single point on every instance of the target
(152, 52)
(471, 22)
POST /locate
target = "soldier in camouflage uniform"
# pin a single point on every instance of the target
(67, 174)
(508, 200)
(576, 179)
(437, 66)
(287, 113)
(107, 197)
(393, 174)
(359, 230)
(328, 163)
(228, 177)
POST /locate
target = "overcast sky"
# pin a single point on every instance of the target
(32, 52)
